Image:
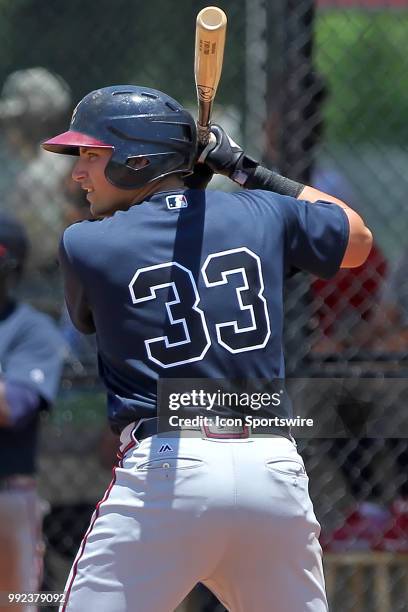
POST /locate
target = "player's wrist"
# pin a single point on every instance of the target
(243, 170)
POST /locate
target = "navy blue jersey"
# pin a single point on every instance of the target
(190, 286)
(31, 355)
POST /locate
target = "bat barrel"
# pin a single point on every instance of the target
(211, 18)
(209, 51)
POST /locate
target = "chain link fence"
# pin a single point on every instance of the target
(317, 89)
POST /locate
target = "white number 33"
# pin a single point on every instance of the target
(186, 337)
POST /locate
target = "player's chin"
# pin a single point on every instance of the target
(94, 205)
(98, 209)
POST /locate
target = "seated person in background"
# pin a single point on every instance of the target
(31, 357)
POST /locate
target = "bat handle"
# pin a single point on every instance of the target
(203, 134)
(203, 123)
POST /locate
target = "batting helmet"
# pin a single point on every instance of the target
(13, 244)
(134, 122)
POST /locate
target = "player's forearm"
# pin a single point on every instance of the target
(262, 178)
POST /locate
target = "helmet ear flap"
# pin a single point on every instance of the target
(158, 165)
(125, 176)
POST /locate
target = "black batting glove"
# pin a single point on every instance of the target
(226, 157)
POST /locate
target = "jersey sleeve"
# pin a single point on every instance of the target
(36, 358)
(75, 295)
(316, 236)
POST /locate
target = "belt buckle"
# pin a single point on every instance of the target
(220, 432)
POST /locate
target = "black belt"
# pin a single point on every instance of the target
(146, 429)
(149, 428)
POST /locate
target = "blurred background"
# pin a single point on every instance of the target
(317, 89)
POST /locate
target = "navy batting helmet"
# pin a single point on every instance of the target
(13, 244)
(134, 122)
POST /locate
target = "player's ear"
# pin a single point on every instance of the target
(137, 162)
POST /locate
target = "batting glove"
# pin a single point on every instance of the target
(224, 156)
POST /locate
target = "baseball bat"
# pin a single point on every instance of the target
(211, 29)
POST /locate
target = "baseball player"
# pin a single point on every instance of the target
(31, 353)
(186, 283)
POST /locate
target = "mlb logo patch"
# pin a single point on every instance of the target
(175, 202)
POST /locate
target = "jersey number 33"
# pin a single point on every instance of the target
(186, 338)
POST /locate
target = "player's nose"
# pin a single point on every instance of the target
(79, 171)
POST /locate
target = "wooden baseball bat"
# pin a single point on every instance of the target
(211, 29)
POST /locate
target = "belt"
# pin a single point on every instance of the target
(17, 483)
(149, 427)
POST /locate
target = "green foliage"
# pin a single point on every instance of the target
(363, 56)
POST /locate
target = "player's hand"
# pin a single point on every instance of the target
(224, 156)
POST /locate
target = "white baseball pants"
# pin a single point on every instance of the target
(233, 514)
